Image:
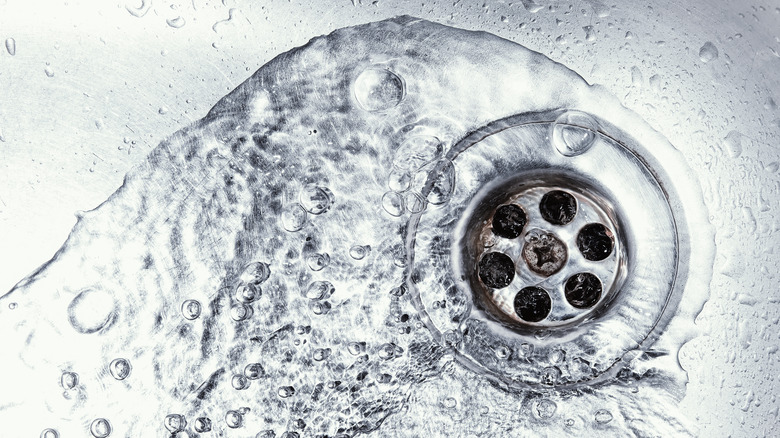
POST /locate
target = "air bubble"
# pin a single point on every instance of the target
(532, 304)
(234, 419)
(50, 433)
(359, 252)
(316, 200)
(321, 354)
(399, 180)
(240, 312)
(254, 371)
(175, 422)
(293, 217)
(202, 424)
(317, 262)
(255, 273)
(544, 408)
(415, 152)
(496, 270)
(393, 203)
(558, 207)
(190, 309)
(708, 52)
(69, 380)
(320, 307)
(378, 89)
(248, 292)
(91, 310)
(319, 290)
(239, 382)
(509, 221)
(10, 46)
(119, 368)
(551, 375)
(285, 391)
(573, 133)
(603, 416)
(100, 428)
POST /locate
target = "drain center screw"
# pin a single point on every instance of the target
(544, 253)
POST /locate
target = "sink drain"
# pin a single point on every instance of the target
(555, 255)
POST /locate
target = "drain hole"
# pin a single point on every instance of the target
(558, 207)
(595, 242)
(583, 290)
(508, 221)
(532, 304)
(496, 270)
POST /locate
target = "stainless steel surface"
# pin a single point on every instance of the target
(88, 88)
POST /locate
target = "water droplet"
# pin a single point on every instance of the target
(708, 52)
(603, 416)
(443, 179)
(91, 310)
(255, 273)
(234, 419)
(202, 424)
(176, 23)
(317, 262)
(100, 428)
(175, 422)
(254, 371)
(119, 368)
(240, 312)
(239, 382)
(544, 408)
(190, 309)
(393, 204)
(415, 152)
(590, 33)
(286, 391)
(50, 433)
(139, 11)
(316, 200)
(69, 380)
(532, 6)
(10, 45)
(359, 252)
(162, 110)
(573, 133)
(319, 290)
(49, 71)
(249, 292)
(293, 217)
(378, 89)
(733, 144)
(636, 77)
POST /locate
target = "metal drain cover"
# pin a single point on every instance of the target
(559, 265)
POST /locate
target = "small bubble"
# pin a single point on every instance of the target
(708, 52)
(202, 424)
(119, 368)
(254, 371)
(359, 252)
(139, 11)
(544, 408)
(176, 22)
(319, 290)
(449, 403)
(378, 89)
(501, 352)
(356, 348)
(399, 180)
(317, 262)
(240, 382)
(69, 380)
(190, 309)
(320, 307)
(10, 46)
(175, 422)
(50, 433)
(293, 217)
(286, 391)
(569, 422)
(603, 416)
(234, 419)
(393, 203)
(100, 428)
(12, 306)
(388, 351)
(550, 375)
(240, 312)
(247, 293)
(321, 354)
(255, 273)
(316, 200)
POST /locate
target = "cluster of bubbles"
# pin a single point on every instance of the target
(314, 200)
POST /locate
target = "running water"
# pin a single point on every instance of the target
(253, 275)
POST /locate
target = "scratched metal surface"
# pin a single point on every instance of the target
(92, 87)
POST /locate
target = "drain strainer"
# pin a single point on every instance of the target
(559, 265)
